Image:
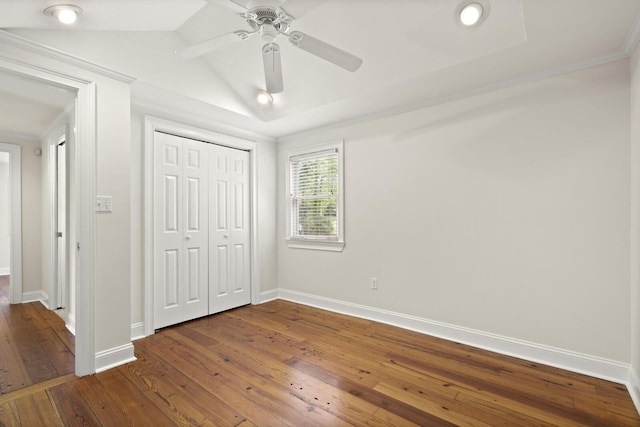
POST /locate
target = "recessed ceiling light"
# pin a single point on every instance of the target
(471, 14)
(264, 98)
(65, 13)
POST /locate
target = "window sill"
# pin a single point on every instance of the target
(318, 245)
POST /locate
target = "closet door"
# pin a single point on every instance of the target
(230, 237)
(180, 229)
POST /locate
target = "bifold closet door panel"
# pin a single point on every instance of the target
(181, 258)
(230, 229)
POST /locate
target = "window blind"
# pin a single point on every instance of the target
(314, 195)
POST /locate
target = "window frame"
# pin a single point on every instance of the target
(297, 242)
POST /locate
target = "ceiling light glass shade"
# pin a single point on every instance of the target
(67, 16)
(65, 13)
(264, 98)
(471, 14)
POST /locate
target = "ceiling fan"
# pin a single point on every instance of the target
(269, 22)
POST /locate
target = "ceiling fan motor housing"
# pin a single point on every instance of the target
(275, 17)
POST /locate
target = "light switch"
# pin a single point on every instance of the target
(104, 204)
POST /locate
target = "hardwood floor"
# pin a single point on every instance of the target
(283, 364)
(35, 346)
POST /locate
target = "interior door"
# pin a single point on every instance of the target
(230, 237)
(180, 229)
(61, 225)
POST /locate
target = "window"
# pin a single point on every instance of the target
(315, 189)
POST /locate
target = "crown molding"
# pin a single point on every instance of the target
(22, 43)
(633, 37)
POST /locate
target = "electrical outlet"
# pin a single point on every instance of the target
(104, 204)
(374, 283)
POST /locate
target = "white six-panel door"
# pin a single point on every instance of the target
(181, 260)
(229, 237)
(201, 229)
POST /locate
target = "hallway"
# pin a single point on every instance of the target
(35, 346)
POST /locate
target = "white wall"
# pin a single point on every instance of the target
(111, 317)
(635, 223)
(506, 213)
(113, 229)
(266, 203)
(5, 214)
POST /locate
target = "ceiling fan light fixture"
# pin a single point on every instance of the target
(470, 14)
(264, 98)
(65, 13)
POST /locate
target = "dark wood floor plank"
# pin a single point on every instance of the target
(57, 325)
(313, 392)
(36, 388)
(105, 408)
(488, 384)
(13, 373)
(71, 406)
(57, 352)
(323, 349)
(369, 395)
(9, 416)
(38, 410)
(171, 383)
(217, 379)
(548, 383)
(284, 364)
(265, 392)
(34, 344)
(464, 362)
(132, 401)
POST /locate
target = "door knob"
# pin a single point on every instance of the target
(187, 237)
(226, 236)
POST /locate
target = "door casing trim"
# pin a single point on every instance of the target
(86, 135)
(15, 265)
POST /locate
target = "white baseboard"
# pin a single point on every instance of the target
(34, 296)
(137, 331)
(271, 295)
(113, 357)
(610, 370)
(5, 271)
(71, 323)
(634, 387)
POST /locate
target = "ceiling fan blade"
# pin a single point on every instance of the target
(272, 68)
(213, 44)
(325, 51)
(299, 8)
(244, 4)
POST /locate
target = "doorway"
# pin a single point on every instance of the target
(202, 229)
(5, 217)
(60, 280)
(37, 346)
(217, 248)
(11, 232)
(85, 94)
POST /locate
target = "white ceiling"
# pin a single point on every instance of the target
(108, 15)
(29, 106)
(414, 52)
